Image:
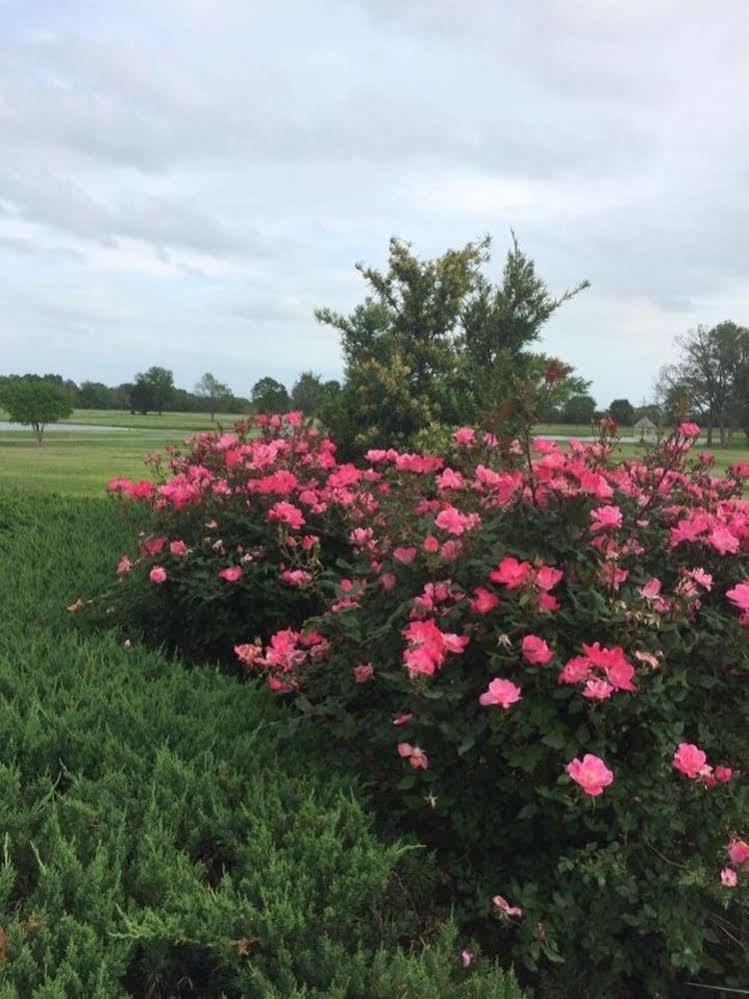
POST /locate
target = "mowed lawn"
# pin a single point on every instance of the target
(80, 463)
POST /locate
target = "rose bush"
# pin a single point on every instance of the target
(230, 535)
(537, 656)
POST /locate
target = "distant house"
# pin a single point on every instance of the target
(644, 430)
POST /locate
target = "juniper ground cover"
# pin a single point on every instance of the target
(157, 839)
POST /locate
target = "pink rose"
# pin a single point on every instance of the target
(484, 601)
(405, 555)
(232, 574)
(178, 548)
(123, 566)
(689, 429)
(536, 651)
(504, 906)
(591, 773)
(728, 877)
(363, 673)
(738, 852)
(502, 692)
(511, 573)
(415, 756)
(690, 760)
(157, 575)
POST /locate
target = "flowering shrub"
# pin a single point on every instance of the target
(536, 654)
(231, 535)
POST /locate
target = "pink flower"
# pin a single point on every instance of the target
(232, 574)
(484, 601)
(548, 602)
(649, 658)
(738, 852)
(465, 436)
(504, 906)
(605, 517)
(405, 555)
(296, 577)
(157, 575)
(502, 692)
(178, 548)
(723, 774)
(248, 653)
(363, 673)
(728, 877)
(123, 566)
(704, 579)
(723, 541)
(431, 545)
(536, 651)
(466, 957)
(591, 773)
(511, 573)
(454, 522)
(598, 690)
(286, 513)
(403, 719)
(547, 577)
(576, 670)
(652, 589)
(415, 756)
(449, 479)
(739, 596)
(689, 760)
(689, 429)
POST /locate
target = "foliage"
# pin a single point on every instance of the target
(153, 389)
(213, 392)
(434, 343)
(710, 376)
(311, 394)
(35, 402)
(510, 611)
(270, 396)
(579, 409)
(143, 855)
(622, 412)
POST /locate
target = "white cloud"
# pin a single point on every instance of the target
(182, 183)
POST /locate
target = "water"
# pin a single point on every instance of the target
(93, 428)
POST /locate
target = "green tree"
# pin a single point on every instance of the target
(269, 396)
(213, 392)
(434, 343)
(35, 403)
(153, 390)
(623, 412)
(579, 409)
(707, 375)
(311, 394)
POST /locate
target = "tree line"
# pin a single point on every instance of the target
(436, 344)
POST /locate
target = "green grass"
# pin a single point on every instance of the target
(80, 463)
(158, 834)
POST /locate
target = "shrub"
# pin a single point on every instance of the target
(231, 536)
(159, 838)
(538, 659)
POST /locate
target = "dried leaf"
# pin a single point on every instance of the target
(77, 606)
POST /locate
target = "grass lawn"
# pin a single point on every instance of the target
(79, 463)
(183, 422)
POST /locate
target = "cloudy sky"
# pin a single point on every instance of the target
(183, 182)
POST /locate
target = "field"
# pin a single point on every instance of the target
(79, 463)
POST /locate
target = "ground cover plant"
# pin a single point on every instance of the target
(536, 655)
(158, 837)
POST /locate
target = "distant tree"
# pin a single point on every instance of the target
(623, 412)
(311, 393)
(153, 390)
(35, 403)
(708, 374)
(270, 396)
(96, 395)
(213, 392)
(579, 409)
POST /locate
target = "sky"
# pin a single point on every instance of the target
(182, 183)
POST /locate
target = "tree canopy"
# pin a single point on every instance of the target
(213, 392)
(36, 403)
(435, 342)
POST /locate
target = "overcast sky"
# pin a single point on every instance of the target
(183, 181)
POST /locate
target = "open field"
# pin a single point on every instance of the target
(80, 463)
